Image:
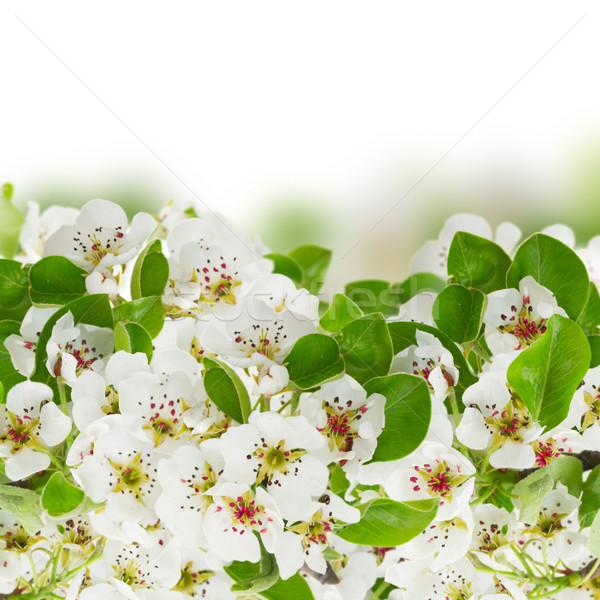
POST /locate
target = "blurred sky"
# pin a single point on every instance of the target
(356, 125)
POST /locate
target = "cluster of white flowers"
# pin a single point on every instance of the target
(213, 456)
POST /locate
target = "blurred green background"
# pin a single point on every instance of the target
(367, 242)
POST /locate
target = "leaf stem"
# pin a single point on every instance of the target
(62, 393)
(295, 400)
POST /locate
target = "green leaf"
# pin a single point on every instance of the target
(476, 262)
(590, 497)
(417, 284)
(150, 272)
(458, 312)
(374, 296)
(593, 543)
(94, 309)
(339, 313)
(589, 319)
(286, 266)
(366, 347)
(314, 262)
(55, 280)
(250, 581)
(387, 523)
(403, 334)
(148, 312)
(556, 267)
(594, 342)
(338, 482)
(23, 505)
(60, 496)
(501, 500)
(531, 492)
(294, 588)
(569, 471)
(407, 414)
(14, 290)
(132, 338)
(546, 374)
(227, 390)
(11, 221)
(314, 359)
(535, 487)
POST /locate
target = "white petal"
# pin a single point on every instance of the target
(289, 554)
(122, 365)
(101, 591)
(428, 260)
(472, 431)
(95, 478)
(26, 397)
(142, 225)
(507, 236)
(26, 463)
(22, 358)
(512, 455)
(562, 233)
(468, 222)
(10, 565)
(54, 424)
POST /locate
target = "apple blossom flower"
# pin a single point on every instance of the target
(495, 529)
(22, 348)
(458, 580)
(121, 470)
(432, 471)
(514, 319)
(496, 418)
(256, 333)
(275, 451)
(442, 542)
(557, 441)
(170, 214)
(73, 349)
(185, 477)
(272, 379)
(305, 540)
(357, 575)
(557, 526)
(37, 227)
(585, 406)
(235, 514)
(100, 236)
(95, 396)
(102, 281)
(32, 424)
(201, 578)
(348, 419)
(15, 543)
(430, 360)
(135, 572)
(208, 269)
(157, 399)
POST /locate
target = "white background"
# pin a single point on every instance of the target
(350, 104)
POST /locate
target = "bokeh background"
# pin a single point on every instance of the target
(359, 126)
